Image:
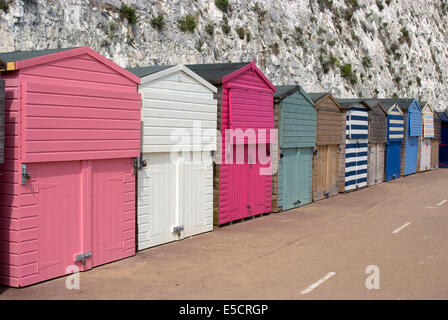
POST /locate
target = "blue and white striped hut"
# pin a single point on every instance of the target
(395, 136)
(356, 144)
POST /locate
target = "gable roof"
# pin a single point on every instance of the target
(214, 72)
(19, 55)
(24, 59)
(284, 91)
(156, 72)
(348, 102)
(375, 104)
(427, 105)
(403, 103)
(146, 71)
(392, 107)
(317, 95)
(443, 116)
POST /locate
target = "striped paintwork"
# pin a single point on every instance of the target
(395, 124)
(428, 122)
(395, 135)
(425, 141)
(356, 147)
(413, 131)
(72, 118)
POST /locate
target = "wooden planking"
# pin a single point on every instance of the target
(172, 193)
(275, 175)
(297, 127)
(403, 145)
(437, 127)
(89, 87)
(218, 96)
(329, 123)
(230, 176)
(376, 163)
(251, 109)
(325, 172)
(435, 154)
(2, 121)
(174, 106)
(11, 247)
(67, 107)
(377, 125)
(341, 167)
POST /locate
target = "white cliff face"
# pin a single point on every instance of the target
(362, 48)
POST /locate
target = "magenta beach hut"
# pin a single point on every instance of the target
(67, 187)
(245, 103)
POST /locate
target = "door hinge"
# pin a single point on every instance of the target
(297, 202)
(25, 174)
(178, 229)
(139, 163)
(82, 257)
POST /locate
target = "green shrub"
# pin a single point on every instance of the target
(334, 60)
(222, 5)
(394, 47)
(299, 36)
(275, 48)
(225, 27)
(331, 43)
(366, 62)
(347, 72)
(405, 36)
(259, 10)
(127, 12)
(380, 5)
(241, 32)
(329, 62)
(280, 33)
(348, 15)
(321, 31)
(419, 81)
(158, 22)
(4, 5)
(325, 4)
(187, 23)
(210, 28)
(248, 36)
(352, 3)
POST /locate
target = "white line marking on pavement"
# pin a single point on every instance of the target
(318, 283)
(401, 228)
(431, 207)
(441, 203)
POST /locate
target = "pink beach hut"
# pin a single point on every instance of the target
(245, 101)
(67, 187)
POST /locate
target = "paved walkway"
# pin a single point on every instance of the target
(320, 251)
